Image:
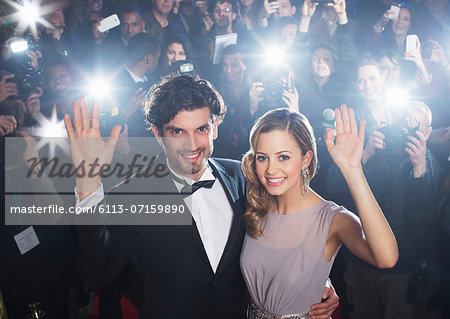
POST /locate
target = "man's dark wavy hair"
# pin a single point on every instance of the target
(175, 93)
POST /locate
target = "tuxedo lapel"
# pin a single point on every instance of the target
(230, 186)
(192, 236)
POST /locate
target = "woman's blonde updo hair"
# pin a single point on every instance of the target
(259, 200)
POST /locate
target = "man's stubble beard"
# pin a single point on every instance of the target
(177, 163)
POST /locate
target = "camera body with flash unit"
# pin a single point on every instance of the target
(26, 77)
(275, 77)
(182, 68)
(22, 45)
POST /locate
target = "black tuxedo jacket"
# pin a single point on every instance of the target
(124, 89)
(171, 262)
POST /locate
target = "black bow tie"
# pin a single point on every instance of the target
(196, 186)
(191, 189)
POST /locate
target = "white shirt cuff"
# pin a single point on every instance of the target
(91, 200)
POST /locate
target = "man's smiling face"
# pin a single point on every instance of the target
(188, 141)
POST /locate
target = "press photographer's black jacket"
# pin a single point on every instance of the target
(409, 204)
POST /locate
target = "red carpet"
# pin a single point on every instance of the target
(129, 311)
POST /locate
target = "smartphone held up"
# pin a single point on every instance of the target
(395, 9)
(108, 23)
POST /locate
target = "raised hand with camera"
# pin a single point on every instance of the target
(416, 145)
(34, 57)
(134, 103)
(417, 149)
(381, 23)
(436, 55)
(98, 36)
(290, 96)
(255, 96)
(376, 141)
(291, 99)
(268, 8)
(33, 103)
(340, 7)
(308, 10)
(415, 56)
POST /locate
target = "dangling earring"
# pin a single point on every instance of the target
(305, 179)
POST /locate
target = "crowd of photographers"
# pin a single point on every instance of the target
(387, 60)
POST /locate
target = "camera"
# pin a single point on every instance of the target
(273, 93)
(396, 136)
(22, 45)
(26, 77)
(182, 67)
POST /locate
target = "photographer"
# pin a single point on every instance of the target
(404, 177)
(328, 23)
(226, 20)
(388, 33)
(324, 77)
(7, 122)
(341, 36)
(112, 43)
(134, 79)
(189, 15)
(246, 100)
(22, 58)
(18, 104)
(438, 91)
(177, 48)
(235, 86)
(60, 87)
(58, 40)
(31, 57)
(274, 10)
(158, 21)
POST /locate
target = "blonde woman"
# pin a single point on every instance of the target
(293, 234)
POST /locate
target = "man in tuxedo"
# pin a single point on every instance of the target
(135, 78)
(189, 271)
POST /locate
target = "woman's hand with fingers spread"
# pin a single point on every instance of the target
(347, 151)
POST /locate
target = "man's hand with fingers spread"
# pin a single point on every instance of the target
(87, 145)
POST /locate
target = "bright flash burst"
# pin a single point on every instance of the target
(51, 132)
(29, 14)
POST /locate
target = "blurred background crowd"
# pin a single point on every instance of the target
(389, 61)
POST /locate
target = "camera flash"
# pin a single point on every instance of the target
(18, 46)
